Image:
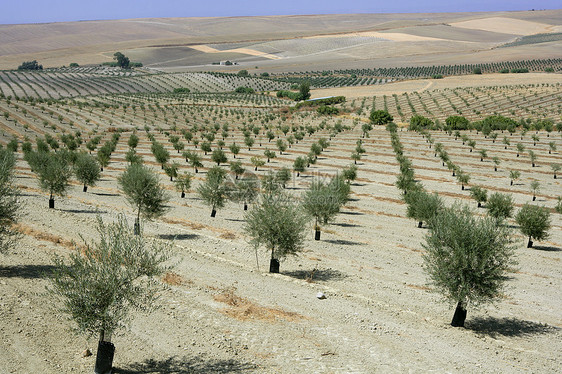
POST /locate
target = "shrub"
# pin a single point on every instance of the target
(380, 117)
(467, 258)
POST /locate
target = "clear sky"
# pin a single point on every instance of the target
(37, 11)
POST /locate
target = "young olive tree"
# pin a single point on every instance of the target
(214, 190)
(278, 224)
(479, 194)
(323, 201)
(144, 193)
(514, 175)
(87, 170)
(422, 206)
(9, 204)
(534, 222)
(100, 286)
(500, 206)
(299, 165)
(54, 175)
(535, 187)
(183, 183)
(467, 258)
(246, 191)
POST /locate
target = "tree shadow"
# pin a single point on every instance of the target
(546, 248)
(27, 271)
(235, 220)
(186, 365)
(353, 213)
(317, 274)
(83, 211)
(343, 242)
(105, 194)
(510, 327)
(345, 224)
(177, 236)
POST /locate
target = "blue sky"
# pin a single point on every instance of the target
(37, 11)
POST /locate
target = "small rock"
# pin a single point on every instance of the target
(86, 353)
(320, 295)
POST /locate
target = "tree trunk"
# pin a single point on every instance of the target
(462, 187)
(213, 213)
(273, 263)
(511, 184)
(534, 198)
(530, 243)
(495, 168)
(101, 168)
(104, 358)
(420, 223)
(51, 203)
(479, 204)
(245, 206)
(196, 170)
(317, 233)
(182, 194)
(136, 226)
(460, 316)
(85, 189)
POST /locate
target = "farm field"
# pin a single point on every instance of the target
(358, 300)
(221, 311)
(288, 43)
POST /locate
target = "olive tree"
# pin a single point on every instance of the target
(246, 190)
(219, 156)
(278, 224)
(467, 258)
(422, 206)
(144, 193)
(299, 165)
(555, 169)
(514, 175)
(171, 170)
(183, 183)
(99, 286)
(87, 170)
(323, 201)
(54, 174)
(535, 188)
(500, 206)
(534, 222)
(214, 190)
(479, 194)
(9, 204)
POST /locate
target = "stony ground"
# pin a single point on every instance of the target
(220, 311)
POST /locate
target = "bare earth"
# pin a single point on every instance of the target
(221, 313)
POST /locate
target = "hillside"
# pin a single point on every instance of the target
(283, 43)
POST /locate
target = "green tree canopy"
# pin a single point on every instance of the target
(534, 222)
(278, 224)
(467, 258)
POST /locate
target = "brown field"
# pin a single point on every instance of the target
(407, 39)
(222, 312)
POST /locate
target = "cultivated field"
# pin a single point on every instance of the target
(221, 310)
(287, 43)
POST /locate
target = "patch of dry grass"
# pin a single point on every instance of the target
(243, 309)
